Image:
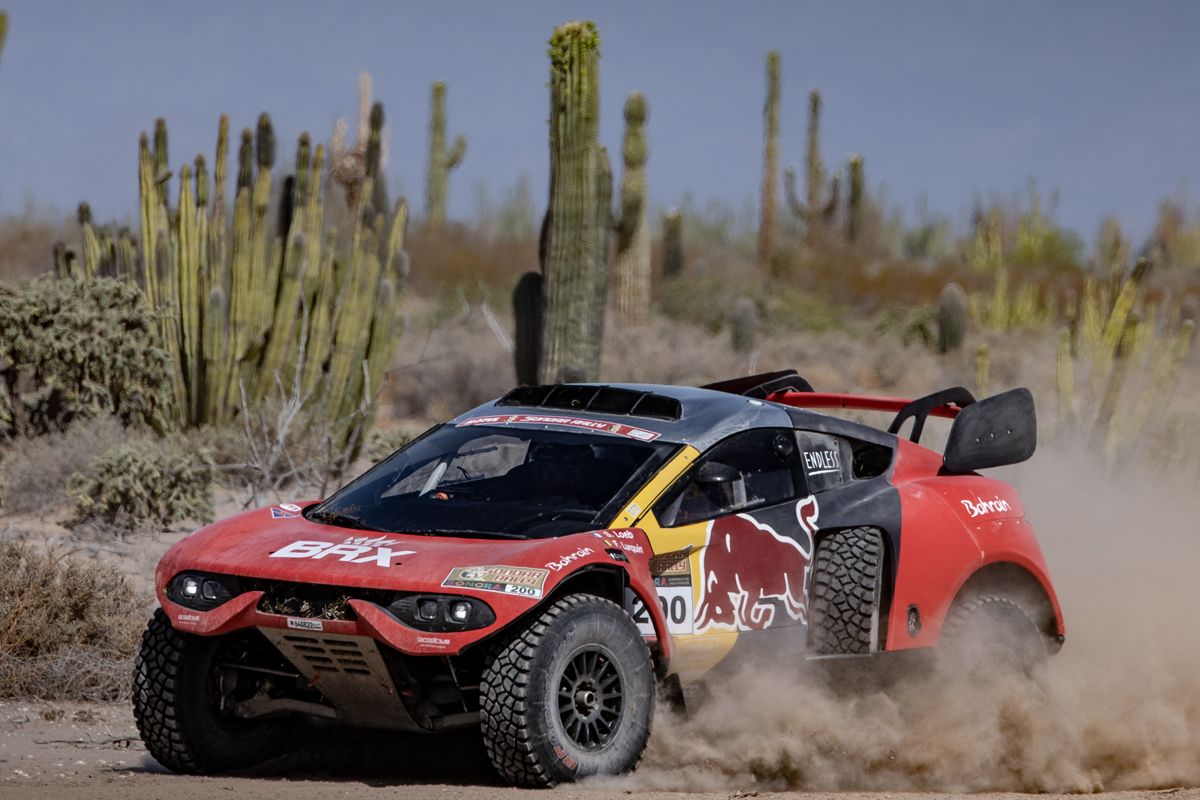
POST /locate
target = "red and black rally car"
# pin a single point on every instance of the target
(538, 565)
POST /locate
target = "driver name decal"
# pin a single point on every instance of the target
(576, 423)
(522, 581)
(379, 551)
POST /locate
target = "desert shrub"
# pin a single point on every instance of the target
(143, 484)
(33, 472)
(68, 628)
(71, 349)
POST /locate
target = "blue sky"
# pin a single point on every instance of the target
(946, 101)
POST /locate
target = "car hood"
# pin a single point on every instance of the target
(278, 543)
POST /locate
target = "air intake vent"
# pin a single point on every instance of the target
(596, 399)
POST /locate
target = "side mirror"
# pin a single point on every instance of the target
(716, 472)
(993, 432)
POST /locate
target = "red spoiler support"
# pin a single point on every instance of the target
(946, 403)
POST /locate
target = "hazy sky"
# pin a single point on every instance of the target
(1100, 100)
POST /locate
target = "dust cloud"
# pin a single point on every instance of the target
(1117, 708)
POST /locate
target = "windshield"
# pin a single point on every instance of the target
(501, 482)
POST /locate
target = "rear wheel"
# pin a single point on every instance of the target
(992, 634)
(571, 695)
(176, 696)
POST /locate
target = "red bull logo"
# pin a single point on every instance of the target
(749, 570)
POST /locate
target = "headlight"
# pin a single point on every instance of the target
(200, 592)
(440, 613)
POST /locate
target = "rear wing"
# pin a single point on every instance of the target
(992, 432)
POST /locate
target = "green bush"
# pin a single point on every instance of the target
(70, 349)
(144, 484)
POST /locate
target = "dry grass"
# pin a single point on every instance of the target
(34, 472)
(68, 628)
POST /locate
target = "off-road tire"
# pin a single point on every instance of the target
(991, 633)
(844, 591)
(175, 715)
(525, 738)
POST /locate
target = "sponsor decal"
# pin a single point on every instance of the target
(822, 462)
(292, 507)
(435, 642)
(298, 624)
(748, 571)
(521, 581)
(569, 559)
(629, 547)
(567, 761)
(672, 574)
(574, 423)
(981, 508)
(188, 617)
(672, 569)
(282, 513)
(379, 550)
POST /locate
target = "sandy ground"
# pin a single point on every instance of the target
(67, 751)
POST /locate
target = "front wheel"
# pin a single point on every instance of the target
(571, 695)
(176, 694)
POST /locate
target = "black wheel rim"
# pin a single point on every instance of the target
(591, 698)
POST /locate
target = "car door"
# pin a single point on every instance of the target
(733, 541)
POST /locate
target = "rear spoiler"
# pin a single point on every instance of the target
(992, 432)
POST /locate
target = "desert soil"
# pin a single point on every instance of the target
(67, 751)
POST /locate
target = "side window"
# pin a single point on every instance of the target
(823, 458)
(748, 470)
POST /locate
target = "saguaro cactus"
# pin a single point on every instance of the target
(528, 308)
(743, 325)
(3, 29)
(854, 208)
(672, 243)
(441, 160)
(633, 234)
(766, 225)
(814, 170)
(570, 348)
(951, 318)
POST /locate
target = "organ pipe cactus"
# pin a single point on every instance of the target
(766, 226)
(632, 267)
(571, 348)
(3, 29)
(441, 159)
(266, 303)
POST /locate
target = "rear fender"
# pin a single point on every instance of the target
(953, 527)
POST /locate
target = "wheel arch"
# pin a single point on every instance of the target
(887, 579)
(610, 583)
(1019, 584)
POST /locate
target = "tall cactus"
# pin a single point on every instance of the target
(814, 169)
(570, 351)
(3, 29)
(770, 191)
(854, 207)
(632, 269)
(951, 318)
(374, 160)
(441, 160)
(672, 243)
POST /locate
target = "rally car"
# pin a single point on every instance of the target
(546, 565)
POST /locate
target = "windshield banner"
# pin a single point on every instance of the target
(575, 423)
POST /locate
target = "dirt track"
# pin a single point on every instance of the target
(89, 751)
